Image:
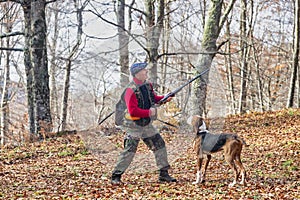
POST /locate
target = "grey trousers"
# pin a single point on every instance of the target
(155, 143)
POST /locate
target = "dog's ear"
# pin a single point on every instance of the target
(196, 122)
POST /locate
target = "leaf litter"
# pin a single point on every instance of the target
(79, 166)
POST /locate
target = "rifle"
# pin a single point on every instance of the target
(164, 100)
(105, 118)
(172, 94)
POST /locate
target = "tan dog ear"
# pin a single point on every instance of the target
(196, 122)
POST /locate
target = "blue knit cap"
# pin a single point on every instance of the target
(136, 67)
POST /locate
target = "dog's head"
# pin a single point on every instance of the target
(197, 123)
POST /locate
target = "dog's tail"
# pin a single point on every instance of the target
(241, 140)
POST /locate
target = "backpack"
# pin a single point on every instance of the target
(121, 108)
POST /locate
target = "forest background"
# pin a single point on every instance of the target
(65, 63)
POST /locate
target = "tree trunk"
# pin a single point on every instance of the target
(38, 52)
(4, 113)
(123, 44)
(153, 31)
(255, 56)
(229, 71)
(64, 107)
(73, 53)
(36, 69)
(210, 36)
(28, 65)
(53, 70)
(259, 84)
(295, 62)
(244, 64)
(211, 32)
(165, 49)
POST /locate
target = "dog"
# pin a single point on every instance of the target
(206, 143)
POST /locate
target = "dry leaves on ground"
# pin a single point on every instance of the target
(79, 166)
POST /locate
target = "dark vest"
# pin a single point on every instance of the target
(145, 97)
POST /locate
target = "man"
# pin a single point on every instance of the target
(139, 99)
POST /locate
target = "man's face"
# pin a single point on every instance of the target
(142, 75)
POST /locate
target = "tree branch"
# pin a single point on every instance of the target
(11, 34)
(51, 1)
(116, 25)
(10, 49)
(197, 53)
(226, 13)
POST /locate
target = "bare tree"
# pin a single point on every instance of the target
(36, 66)
(244, 61)
(229, 70)
(5, 75)
(212, 28)
(52, 46)
(295, 62)
(123, 42)
(154, 25)
(39, 70)
(75, 50)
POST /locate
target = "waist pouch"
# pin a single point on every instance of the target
(137, 123)
(143, 121)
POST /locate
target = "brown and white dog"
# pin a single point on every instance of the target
(206, 143)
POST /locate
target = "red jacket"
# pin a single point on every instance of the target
(132, 102)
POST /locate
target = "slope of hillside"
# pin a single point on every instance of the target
(79, 166)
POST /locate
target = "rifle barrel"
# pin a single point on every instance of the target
(189, 81)
(182, 86)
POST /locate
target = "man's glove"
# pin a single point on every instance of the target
(169, 96)
(153, 113)
(169, 99)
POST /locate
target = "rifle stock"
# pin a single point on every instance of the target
(105, 118)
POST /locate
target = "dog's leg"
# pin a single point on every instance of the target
(230, 161)
(199, 164)
(208, 158)
(239, 163)
(198, 149)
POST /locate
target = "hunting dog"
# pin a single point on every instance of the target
(206, 143)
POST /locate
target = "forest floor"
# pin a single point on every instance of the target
(78, 166)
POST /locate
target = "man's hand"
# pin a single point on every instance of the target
(169, 99)
(166, 98)
(171, 95)
(152, 112)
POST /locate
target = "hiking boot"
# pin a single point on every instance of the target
(165, 177)
(116, 179)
